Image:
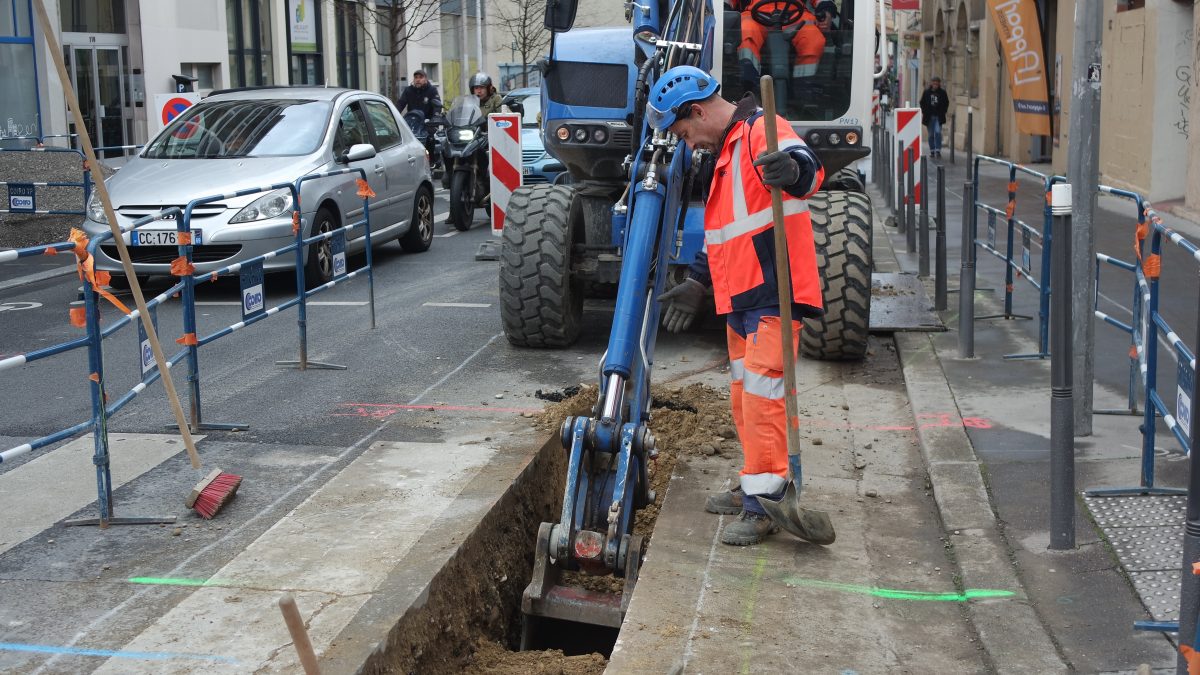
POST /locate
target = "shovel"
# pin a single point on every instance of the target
(813, 526)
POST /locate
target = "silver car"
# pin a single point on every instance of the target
(238, 140)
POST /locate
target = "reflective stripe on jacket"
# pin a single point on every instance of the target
(738, 232)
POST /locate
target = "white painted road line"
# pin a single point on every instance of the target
(388, 496)
(310, 303)
(472, 305)
(69, 469)
(451, 233)
(36, 277)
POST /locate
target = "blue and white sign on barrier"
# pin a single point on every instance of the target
(337, 247)
(145, 353)
(1185, 394)
(253, 297)
(1026, 261)
(992, 229)
(21, 198)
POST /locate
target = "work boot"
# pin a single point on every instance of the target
(751, 528)
(727, 503)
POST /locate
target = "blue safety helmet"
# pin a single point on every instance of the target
(671, 94)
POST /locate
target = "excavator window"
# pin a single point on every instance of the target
(806, 47)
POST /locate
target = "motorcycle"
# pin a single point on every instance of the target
(466, 160)
(427, 132)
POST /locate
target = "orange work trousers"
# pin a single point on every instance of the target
(756, 392)
(808, 41)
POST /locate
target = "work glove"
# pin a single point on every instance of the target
(685, 299)
(779, 168)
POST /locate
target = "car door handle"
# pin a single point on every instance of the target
(379, 170)
(412, 160)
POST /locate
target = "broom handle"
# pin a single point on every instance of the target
(783, 277)
(102, 191)
(295, 626)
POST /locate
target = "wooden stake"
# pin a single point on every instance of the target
(85, 141)
(295, 625)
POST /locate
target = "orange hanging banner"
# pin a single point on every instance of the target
(1021, 39)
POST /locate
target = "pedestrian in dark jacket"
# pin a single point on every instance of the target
(934, 104)
(420, 95)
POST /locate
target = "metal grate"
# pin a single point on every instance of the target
(163, 255)
(529, 156)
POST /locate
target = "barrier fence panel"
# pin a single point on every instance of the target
(1019, 267)
(26, 196)
(1149, 325)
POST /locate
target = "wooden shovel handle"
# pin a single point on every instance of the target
(783, 277)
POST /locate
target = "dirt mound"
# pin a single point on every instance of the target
(491, 658)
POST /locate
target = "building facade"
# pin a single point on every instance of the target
(1149, 141)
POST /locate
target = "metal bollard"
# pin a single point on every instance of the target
(923, 230)
(939, 258)
(910, 202)
(1189, 587)
(970, 143)
(953, 135)
(899, 191)
(1062, 406)
(966, 277)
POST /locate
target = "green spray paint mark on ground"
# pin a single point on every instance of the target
(748, 614)
(176, 581)
(896, 594)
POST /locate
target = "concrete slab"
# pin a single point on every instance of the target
(69, 468)
(899, 303)
(331, 552)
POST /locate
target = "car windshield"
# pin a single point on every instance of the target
(532, 108)
(807, 48)
(243, 128)
(464, 111)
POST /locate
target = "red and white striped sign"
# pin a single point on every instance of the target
(875, 107)
(504, 143)
(907, 127)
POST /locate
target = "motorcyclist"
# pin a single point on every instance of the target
(423, 96)
(489, 100)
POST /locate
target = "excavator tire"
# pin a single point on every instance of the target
(541, 304)
(842, 231)
(845, 180)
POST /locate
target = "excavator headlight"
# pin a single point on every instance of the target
(835, 138)
(563, 133)
(852, 138)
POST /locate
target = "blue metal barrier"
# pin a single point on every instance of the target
(30, 188)
(1022, 268)
(1148, 324)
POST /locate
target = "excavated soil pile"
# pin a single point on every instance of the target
(491, 658)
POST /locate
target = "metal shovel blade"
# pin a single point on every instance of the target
(787, 513)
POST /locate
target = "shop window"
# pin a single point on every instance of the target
(304, 42)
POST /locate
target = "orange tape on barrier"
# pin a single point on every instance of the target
(1132, 356)
(80, 240)
(1192, 658)
(1196, 568)
(184, 238)
(364, 189)
(1008, 287)
(188, 340)
(295, 222)
(1139, 235)
(1012, 186)
(213, 277)
(78, 317)
(1010, 209)
(181, 267)
(50, 251)
(94, 377)
(1153, 266)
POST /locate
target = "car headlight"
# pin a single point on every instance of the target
(95, 209)
(270, 205)
(464, 135)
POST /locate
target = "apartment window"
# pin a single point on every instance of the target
(351, 45)
(304, 42)
(250, 60)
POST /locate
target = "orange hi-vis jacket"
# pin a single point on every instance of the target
(738, 231)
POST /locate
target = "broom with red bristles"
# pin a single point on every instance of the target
(213, 492)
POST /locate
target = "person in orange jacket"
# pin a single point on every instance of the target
(739, 263)
(803, 32)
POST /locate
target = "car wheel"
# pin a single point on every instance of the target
(319, 268)
(420, 232)
(462, 207)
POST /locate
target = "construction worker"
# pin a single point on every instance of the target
(489, 100)
(739, 264)
(801, 30)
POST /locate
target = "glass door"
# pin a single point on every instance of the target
(99, 78)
